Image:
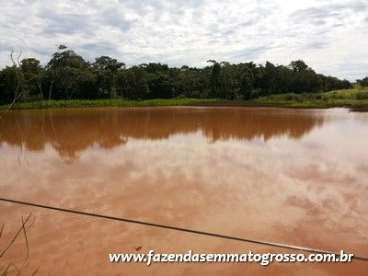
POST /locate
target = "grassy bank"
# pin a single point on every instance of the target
(110, 103)
(351, 98)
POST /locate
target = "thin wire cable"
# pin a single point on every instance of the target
(192, 231)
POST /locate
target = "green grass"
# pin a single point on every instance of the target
(352, 98)
(108, 102)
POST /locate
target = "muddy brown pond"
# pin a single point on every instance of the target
(280, 175)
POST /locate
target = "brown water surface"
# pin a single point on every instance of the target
(281, 175)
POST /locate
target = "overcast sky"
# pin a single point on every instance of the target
(330, 35)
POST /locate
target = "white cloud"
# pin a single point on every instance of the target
(327, 34)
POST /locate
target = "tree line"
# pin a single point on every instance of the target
(68, 76)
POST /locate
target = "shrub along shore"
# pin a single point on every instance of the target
(350, 98)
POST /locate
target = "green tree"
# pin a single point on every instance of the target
(32, 72)
(107, 69)
(8, 84)
(363, 82)
(132, 83)
(215, 79)
(65, 71)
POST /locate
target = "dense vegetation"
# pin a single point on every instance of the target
(356, 98)
(68, 76)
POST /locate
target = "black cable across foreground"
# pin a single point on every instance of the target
(197, 232)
